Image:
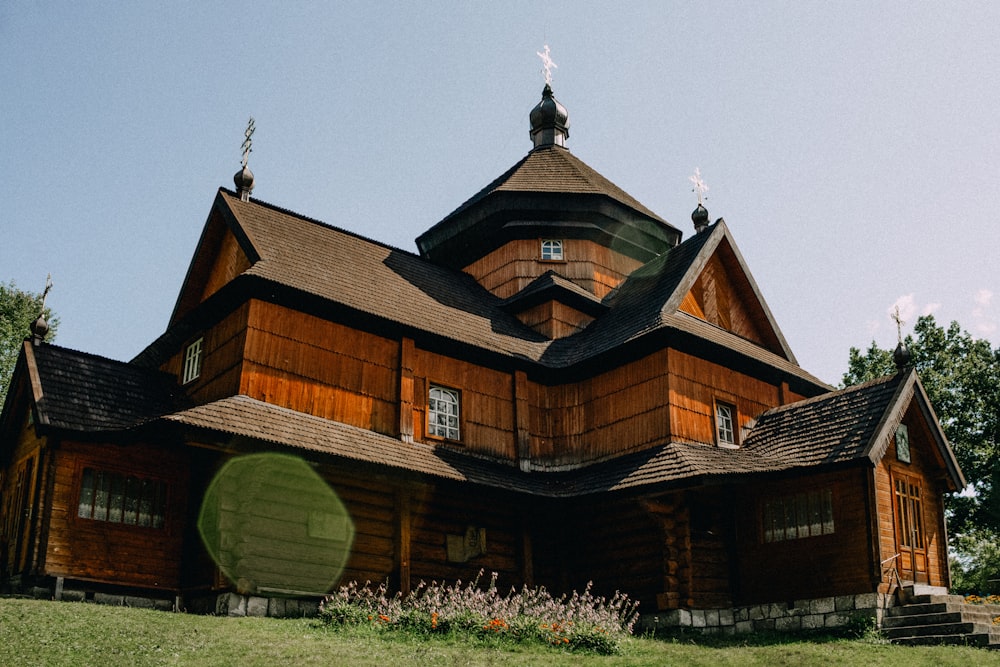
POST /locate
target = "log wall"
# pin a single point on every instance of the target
(108, 552)
(840, 563)
(19, 483)
(555, 320)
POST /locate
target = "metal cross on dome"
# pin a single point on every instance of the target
(699, 185)
(547, 64)
(899, 322)
(247, 142)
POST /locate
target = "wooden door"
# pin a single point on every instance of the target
(911, 539)
(15, 522)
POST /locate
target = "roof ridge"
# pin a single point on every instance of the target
(318, 222)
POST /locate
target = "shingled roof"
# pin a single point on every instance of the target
(81, 392)
(396, 286)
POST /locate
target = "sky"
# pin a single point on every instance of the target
(852, 148)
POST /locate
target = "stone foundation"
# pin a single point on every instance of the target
(811, 614)
(233, 604)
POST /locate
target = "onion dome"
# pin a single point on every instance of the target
(39, 329)
(549, 121)
(901, 356)
(699, 217)
(244, 183)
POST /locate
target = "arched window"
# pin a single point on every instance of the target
(443, 413)
(552, 250)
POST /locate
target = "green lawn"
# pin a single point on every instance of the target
(34, 632)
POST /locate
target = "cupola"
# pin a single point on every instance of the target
(549, 121)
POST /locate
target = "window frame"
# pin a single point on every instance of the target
(133, 491)
(452, 433)
(733, 432)
(802, 515)
(546, 253)
(194, 359)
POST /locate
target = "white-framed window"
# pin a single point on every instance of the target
(443, 412)
(192, 361)
(552, 250)
(725, 420)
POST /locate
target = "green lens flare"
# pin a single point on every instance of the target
(275, 527)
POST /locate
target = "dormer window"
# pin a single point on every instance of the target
(552, 250)
(725, 420)
(192, 362)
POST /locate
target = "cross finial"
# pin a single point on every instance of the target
(899, 323)
(547, 64)
(699, 185)
(247, 142)
(45, 292)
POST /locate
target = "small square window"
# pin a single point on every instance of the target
(192, 361)
(552, 250)
(725, 420)
(443, 413)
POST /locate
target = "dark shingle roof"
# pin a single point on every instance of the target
(85, 392)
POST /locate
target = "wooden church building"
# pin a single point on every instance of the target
(560, 387)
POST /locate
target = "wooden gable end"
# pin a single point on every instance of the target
(223, 252)
(723, 295)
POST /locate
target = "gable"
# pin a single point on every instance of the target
(223, 252)
(721, 291)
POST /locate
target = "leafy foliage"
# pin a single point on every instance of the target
(18, 309)
(577, 622)
(962, 377)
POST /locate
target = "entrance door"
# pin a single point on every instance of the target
(17, 510)
(911, 540)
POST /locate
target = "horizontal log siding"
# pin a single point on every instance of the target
(695, 385)
(509, 269)
(222, 356)
(321, 368)
(449, 509)
(925, 464)
(622, 410)
(369, 501)
(110, 552)
(826, 565)
(487, 402)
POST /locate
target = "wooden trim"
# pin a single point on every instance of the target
(522, 420)
(403, 538)
(406, 398)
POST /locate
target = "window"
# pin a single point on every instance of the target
(443, 413)
(802, 515)
(724, 424)
(192, 362)
(116, 498)
(552, 250)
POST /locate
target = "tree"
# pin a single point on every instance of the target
(962, 378)
(18, 309)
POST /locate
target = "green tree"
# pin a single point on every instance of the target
(18, 309)
(962, 377)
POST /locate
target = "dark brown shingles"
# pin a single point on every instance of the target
(85, 392)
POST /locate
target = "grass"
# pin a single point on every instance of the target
(36, 632)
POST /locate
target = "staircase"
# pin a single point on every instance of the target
(941, 619)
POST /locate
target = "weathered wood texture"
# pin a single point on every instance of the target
(18, 490)
(115, 553)
(222, 358)
(230, 261)
(694, 387)
(925, 466)
(596, 268)
(723, 296)
(555, 320)
(302, 362)
(487, 402)
(840, 563)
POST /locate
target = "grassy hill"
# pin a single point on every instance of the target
(34, 632)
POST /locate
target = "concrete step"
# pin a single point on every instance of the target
(952, 628)
(982, 639)
(937, 618)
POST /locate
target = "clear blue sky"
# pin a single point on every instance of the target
(853, 148)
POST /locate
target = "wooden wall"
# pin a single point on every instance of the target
(925, 464)
(721, 295)
(596, 268)
(824, 565)
(19, 487)
(308, 364)
(222, 358)
(555, 320)
(110, 552)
